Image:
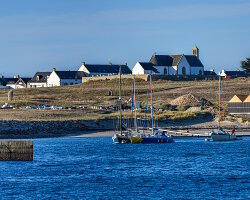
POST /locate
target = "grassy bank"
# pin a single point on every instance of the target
(96, 94)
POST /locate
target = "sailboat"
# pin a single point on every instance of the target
(156, 136)
(136, 136)
(122, 136)
(220, 134)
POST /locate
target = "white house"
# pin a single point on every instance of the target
(60, 78)
(103, 70)
(39, 80)
(144, 68)
(16, 82)
(174, 64)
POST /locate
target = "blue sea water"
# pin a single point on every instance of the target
(94, 168)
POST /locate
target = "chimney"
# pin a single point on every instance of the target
(54, 69)
(83, 63)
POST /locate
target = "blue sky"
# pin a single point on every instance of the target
(37, 35)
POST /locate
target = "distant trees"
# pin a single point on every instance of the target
(245, 65)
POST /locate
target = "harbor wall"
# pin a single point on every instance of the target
(16, 150)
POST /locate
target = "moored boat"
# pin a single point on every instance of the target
(155, 136)
(159, 137)
(121, 136)
(220, 134)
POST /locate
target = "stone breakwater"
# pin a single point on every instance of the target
(39, 129)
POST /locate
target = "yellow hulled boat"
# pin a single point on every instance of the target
(135, 140)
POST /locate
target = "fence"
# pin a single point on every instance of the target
(239, 108)
(16, 150)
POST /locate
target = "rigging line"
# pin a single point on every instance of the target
(132, 106)
(145, 119)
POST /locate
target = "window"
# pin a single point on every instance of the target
(183, 71)
(165, 71)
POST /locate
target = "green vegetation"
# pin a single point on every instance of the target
(245, 65)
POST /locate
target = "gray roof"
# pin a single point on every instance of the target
(165, 60)
(70, 74)
(42, 77)
(148, 66)
(173, 60)
(193, 61)
(5, 81)
(109, 69)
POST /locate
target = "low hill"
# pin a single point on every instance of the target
(97, 92)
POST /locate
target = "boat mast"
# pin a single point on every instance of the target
(152, 116)
(120, 98)
(136, 128)
(219, 98)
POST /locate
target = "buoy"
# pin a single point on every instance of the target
(207, 139)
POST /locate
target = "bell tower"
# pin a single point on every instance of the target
(196, 51)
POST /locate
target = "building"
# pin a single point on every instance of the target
(210, 74)
(2, 83)
(233, 74)
(185, 65)
(60, 78)
(39, 80)
(239, 104)
(103, 70)
(144, 68)
(17, 82)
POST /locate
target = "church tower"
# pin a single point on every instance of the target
(196, 51)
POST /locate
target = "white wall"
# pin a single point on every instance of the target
(84, 69)
(196, 70)
(37, 85)
(11, 86)
(171, 70)
(53, 80)
(137, 69)
(183, 63)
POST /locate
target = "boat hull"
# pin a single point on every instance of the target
(120, 139)
(157, 140)
(135, 140)
(223, 137)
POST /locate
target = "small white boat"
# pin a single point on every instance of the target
(222, 135)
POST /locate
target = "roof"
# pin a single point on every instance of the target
(247, 100)
(173, 60)
(70, 74)
(193, 61)
(236, 73)
(11, 80)
(209, 73)
(26, 80)
(238, 98)
(165, 60)
(109, 69)
(148, 66)
(43, 76)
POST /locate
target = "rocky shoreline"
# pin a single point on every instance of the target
(11, 129)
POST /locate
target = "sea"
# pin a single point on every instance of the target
(94, 168)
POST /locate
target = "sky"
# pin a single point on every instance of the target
(42, 34)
